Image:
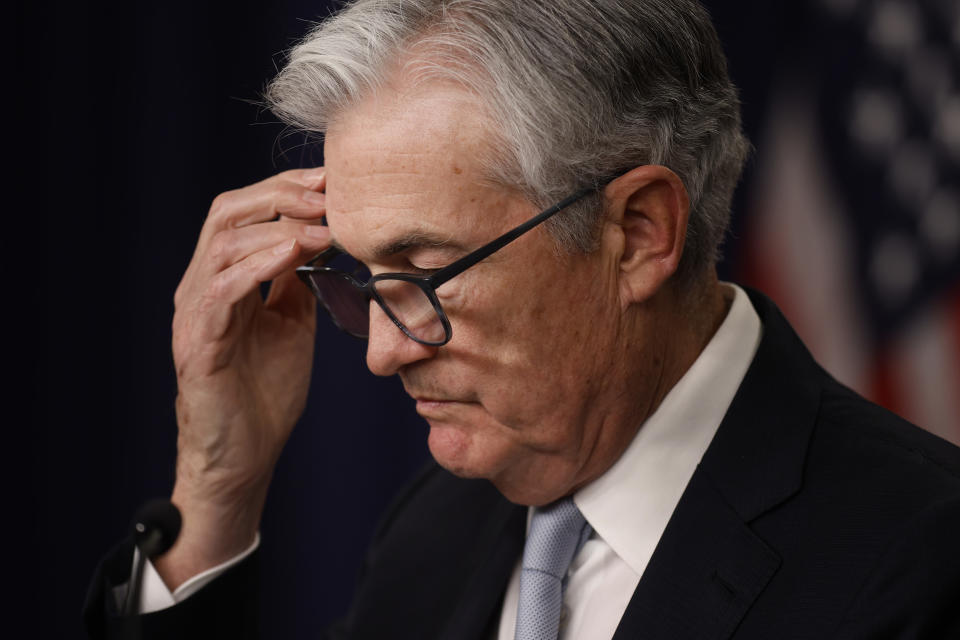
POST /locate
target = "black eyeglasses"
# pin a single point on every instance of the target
(408, 299)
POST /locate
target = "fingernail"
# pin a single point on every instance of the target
(285, 247)
(313, 197)
(317, 231)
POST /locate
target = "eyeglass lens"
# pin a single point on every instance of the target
(410, 305)
(350, 307)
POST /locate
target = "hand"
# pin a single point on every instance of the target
(243, 363)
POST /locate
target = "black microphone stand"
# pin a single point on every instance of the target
(155, 529)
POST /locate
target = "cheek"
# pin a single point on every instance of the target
(554, 319)
(532, 350)
(524, 312)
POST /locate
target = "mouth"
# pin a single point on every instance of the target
(433, 402)
(430, 401)
(437, 407)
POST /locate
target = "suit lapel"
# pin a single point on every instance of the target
(478, 608)
(709, 566)
(704, 575)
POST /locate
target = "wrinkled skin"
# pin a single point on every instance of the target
(555, 361)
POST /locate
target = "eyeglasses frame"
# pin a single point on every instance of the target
(429, 283)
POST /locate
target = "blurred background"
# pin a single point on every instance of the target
(131, 117)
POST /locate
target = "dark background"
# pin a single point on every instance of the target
(130, 118)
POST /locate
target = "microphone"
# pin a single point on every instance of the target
(155, 529)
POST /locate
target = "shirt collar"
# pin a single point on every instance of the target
(629, 505)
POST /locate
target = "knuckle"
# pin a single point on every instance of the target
(219, 247)
(221, 204)
(217, 290)
(279, 194)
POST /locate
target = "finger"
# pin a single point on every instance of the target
(231, 286)
(289, 296)
(262, 202)
(230, 246)
(314, 178)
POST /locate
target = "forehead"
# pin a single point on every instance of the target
(406, 164)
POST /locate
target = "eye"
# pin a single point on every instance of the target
(423, 263)
(422, 271)
(428, 262)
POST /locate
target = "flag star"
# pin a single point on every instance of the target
(877, 121)
(895, 27)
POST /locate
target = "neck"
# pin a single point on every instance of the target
(661, 341)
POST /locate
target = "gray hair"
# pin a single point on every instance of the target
(580, 91)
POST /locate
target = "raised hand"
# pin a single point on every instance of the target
(243, 363)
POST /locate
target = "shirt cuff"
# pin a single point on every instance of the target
(154, 594)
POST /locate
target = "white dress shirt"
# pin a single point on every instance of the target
(628, 506)
(154, 594)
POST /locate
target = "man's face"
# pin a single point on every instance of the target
(516, 396)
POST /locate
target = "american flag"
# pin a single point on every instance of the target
(853, 221)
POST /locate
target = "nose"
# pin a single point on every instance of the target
(388, 347)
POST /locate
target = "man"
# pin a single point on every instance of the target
(680, 466)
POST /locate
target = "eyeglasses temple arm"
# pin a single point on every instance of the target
(326, 255)
(467, 261)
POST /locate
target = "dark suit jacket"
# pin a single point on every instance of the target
(813, 514)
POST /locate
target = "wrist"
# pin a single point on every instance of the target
(214, 530)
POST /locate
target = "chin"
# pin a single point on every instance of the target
(452, 448)
(464, 452)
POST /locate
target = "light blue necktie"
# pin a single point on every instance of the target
(557, 532)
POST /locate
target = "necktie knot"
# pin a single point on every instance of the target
(557, 531)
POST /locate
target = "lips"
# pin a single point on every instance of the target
(437, 403)
(428, 393)
(438, 400)
(425, 386)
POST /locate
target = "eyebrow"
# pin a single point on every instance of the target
(416, 239)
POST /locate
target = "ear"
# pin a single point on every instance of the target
(651, 207)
